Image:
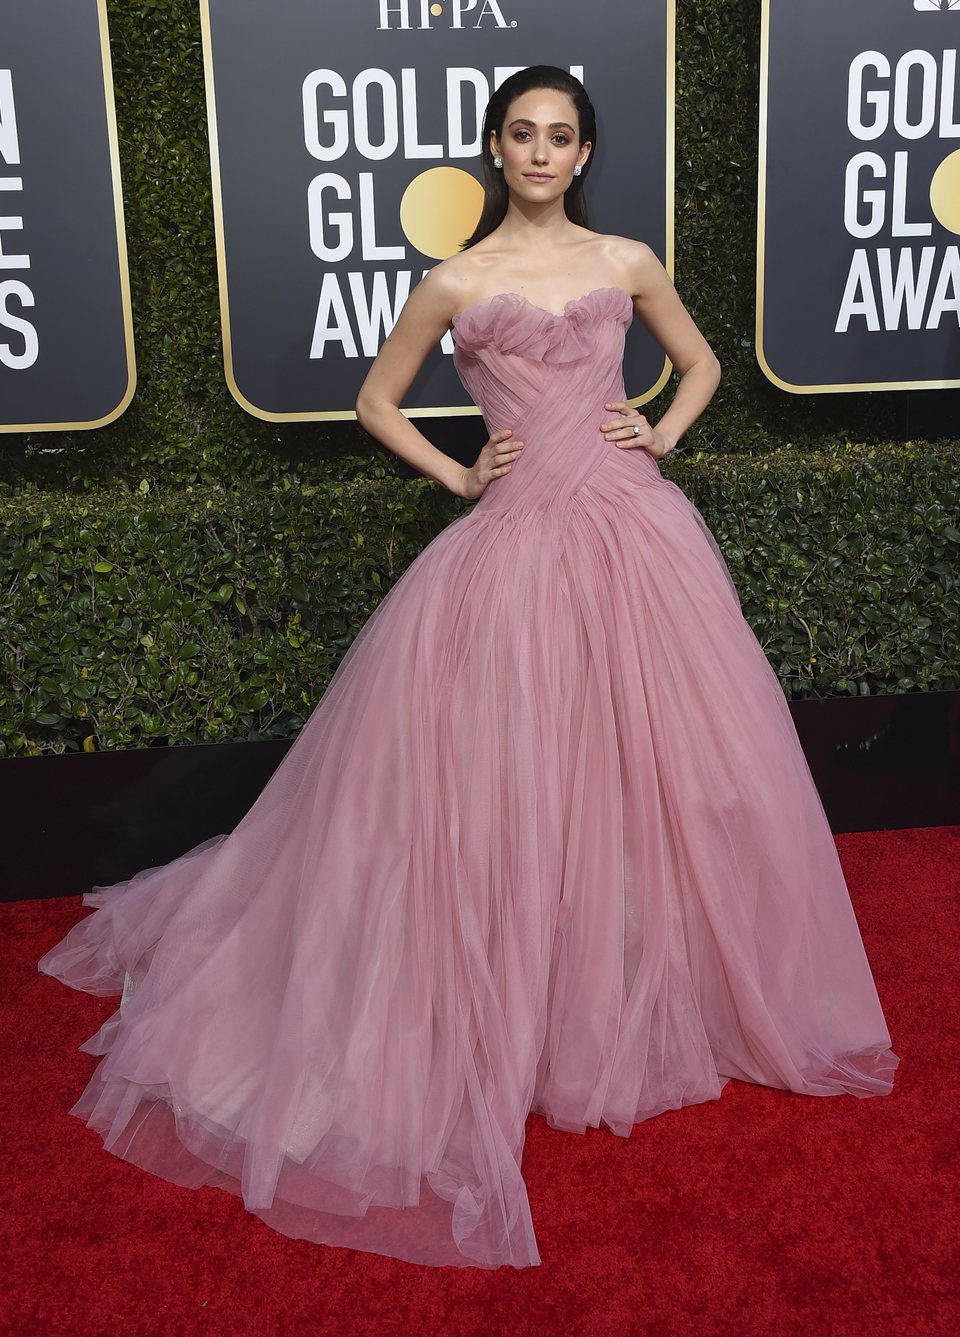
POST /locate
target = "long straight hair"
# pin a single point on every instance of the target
(496, 195)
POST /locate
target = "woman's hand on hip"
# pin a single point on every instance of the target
(495, 459)
(632, 429)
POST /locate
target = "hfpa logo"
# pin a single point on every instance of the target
(937, 4)
(457, 13)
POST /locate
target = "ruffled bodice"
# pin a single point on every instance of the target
(548, 377)
(509, 323)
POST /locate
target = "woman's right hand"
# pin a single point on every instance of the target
(495, 459)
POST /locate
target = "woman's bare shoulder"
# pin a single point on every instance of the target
(625, 261)
(636, 257)
(622, 250)
(453, 283)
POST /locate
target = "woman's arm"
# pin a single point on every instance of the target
(422, 323)
(657, 304)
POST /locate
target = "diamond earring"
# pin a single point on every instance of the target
(498, 162)
(576, 170)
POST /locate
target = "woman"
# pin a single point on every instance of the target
(548, 842)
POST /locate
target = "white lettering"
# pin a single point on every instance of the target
(375, 314)
(17, 361)
(925, 62)
(12, 223)
(949, 274)
(337, 119)
(902, 297)
(338, 116)
(317, 218)
(458, 147)
(484, 8)
(9, 142)
(411, 142)
(878, 99)
(852, 195)
(387, 88)
(869, 107)
(858, 298)
(949, 125)
(401, 9)
(377, 317)
(368, 215)
(901, 228)
(332, 324)
(907, 286)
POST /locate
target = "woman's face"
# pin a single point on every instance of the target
(540, 145)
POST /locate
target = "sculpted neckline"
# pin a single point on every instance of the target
(519, 297)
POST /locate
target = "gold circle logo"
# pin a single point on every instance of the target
(945, 193)
(440, 209)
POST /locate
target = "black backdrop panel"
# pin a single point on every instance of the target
(343, 138)
(858, 275)
(66, 332)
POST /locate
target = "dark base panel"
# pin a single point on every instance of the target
(92, 819)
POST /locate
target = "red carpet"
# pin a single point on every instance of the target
(762, 1212)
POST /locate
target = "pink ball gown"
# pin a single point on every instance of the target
(548, 843)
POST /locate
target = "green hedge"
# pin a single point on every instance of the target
(193, 615)
(207, 614)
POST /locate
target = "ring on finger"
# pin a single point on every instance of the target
(636, 429)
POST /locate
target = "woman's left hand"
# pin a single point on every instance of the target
(621, 431)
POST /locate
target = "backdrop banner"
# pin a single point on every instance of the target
(345, 147)
(66, 330)
(858, 265)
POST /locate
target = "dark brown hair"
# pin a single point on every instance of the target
(496, 196)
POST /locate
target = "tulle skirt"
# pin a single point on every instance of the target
(547, 844)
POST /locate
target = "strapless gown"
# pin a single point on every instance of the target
(547, 844)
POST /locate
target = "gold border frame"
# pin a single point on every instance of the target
(125, 302)
(458, 410)
(761, 230)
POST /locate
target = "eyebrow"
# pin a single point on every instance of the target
(522, 120)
